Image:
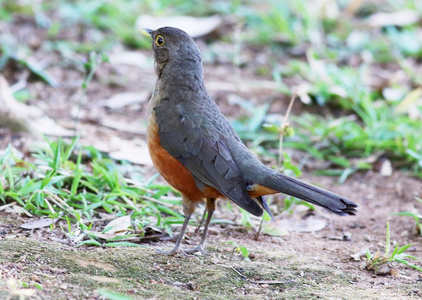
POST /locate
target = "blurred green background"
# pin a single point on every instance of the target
(360, 58)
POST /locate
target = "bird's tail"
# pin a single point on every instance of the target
(310, 193)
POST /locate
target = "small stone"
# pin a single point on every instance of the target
(177, 283)
(347, 236)
(367, 238)
(383, 270)
(190, 286)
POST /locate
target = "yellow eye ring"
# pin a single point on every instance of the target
(159, 40)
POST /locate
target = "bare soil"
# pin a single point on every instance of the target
(298, 265)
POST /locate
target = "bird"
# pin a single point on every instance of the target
(197, 151)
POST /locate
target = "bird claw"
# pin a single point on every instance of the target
(171, 252)
(199, 249)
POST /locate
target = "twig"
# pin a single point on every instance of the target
(230, 267)
(283, 129)
(256, 237)
(58, 201)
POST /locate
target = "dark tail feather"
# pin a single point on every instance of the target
(263, 203)
(310, 193)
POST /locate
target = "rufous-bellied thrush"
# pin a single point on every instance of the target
(196, 149)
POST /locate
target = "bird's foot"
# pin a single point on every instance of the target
(199, 248)
(171, 252)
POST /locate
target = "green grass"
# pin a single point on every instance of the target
(76, 183)
(416, 215)
(374, 261)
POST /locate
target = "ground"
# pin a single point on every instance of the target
(298, 265)
(303, 265)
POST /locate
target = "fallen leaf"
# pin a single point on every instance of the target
(410, 103)
(393, 94)
(124, 99)
(48, 126)
(309, 224)
(38, 223)
(3, 207)
(398, 18)
(135, 127)
(383, 270)
(353, 6)
(195, 27)
(135, 151)
(356, 256)
(303, 91)
(16, 209)
(117, 227)
(274, 229)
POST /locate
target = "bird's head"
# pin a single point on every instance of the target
(173, 46)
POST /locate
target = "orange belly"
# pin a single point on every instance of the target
(179, 177)
(173, 171)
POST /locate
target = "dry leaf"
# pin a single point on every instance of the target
(353, 6)
(309, 224)
(121, 100)
(135, 151)
(48, 126)
(195, 27)
(398, 18)
(359, 254)
(4, 207)
(274, 229)
(383, 270)
(16, 209)
(135, 127)
(302, 91)
(393, 94)
(410, 102)
(38, 223)
(118, 227)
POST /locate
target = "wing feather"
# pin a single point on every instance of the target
(206, 157)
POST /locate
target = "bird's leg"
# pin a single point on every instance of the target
(188, 209)
(200, 247)
(179, 240)
(202, 221)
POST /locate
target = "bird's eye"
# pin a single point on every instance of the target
(159, 40)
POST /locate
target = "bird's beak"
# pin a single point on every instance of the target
(146, 32)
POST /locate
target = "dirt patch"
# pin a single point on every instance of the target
(277, 272)
(95, 264)
(299, 265)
